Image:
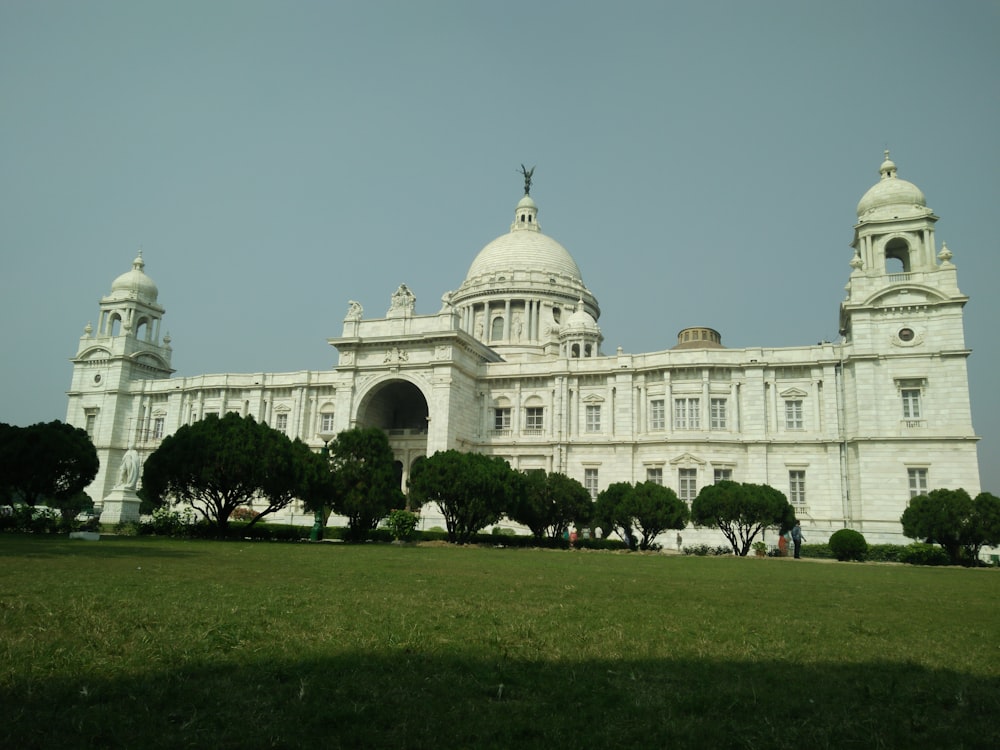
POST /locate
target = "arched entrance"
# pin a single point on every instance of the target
(399, 408)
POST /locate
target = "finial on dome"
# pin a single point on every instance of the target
(527, 178)
(945, 255)
(888, 168)
(139, 263)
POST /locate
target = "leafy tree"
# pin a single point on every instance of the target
(985, 527)
(71, 507)
(49, 463)
(365, 486)
(549, 502)
(953, 520)
(609, 515)
(471, 489)
(218, 464)
(652, 509)
(741, 511)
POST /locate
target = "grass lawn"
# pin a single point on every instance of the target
(160, 643)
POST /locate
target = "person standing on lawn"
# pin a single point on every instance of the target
(797, 538)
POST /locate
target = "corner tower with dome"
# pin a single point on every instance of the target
(112, 365)
(511, 365)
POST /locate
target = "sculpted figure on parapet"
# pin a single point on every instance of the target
(403, 302)
(354, 311)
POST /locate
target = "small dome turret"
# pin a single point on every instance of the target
(580, 320)
(135, 283)
(892, 197)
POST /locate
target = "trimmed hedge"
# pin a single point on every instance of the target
(848, 544)
(920, 553)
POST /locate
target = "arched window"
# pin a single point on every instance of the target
(496, 329)
(116, 324)
(575, 351)
(897, 256)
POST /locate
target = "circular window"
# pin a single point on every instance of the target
(97, 378)
(905, 334)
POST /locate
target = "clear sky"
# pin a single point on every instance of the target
(701, 161)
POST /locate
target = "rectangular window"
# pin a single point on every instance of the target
(793, 415)
(326, 422)
(501, 419)
(590, 482)
(797, 487)
(281, 423)
(157, 428)
(534, 420)
(719, 421)
(91, 424)
(654, 475)
(687, 414)
(918, 481)
(657, 415)
(688, 484)
(723, 475)
(911, 403)
(593, 418)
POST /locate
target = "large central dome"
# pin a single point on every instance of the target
(520, 292)
(524, 248)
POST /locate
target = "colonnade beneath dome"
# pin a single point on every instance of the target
(508, 321)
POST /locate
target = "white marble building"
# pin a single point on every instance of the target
(512, 365)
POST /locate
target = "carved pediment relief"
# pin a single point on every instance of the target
(593, 398)
(687, 459)
(148, 359)
(159, 412)
(282, 408)
(96, 353)
(793, 393)
(909, 296)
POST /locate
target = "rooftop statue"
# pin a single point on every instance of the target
(527, 178)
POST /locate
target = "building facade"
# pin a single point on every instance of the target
(511, 365)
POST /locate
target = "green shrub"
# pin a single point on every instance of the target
(607, 543)
(243, 513)
(885, 552)
(698, 549)
(920, 553)
(848, 544)
(167, 522)
(126, 528)
(433, 534)
(401, 524)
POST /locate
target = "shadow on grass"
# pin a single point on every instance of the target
(414, 700)
(53, 546)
